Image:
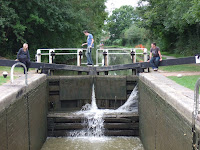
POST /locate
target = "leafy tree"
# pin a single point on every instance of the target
(135, 35)
(174, 23)
(48, 23)
(120, 20)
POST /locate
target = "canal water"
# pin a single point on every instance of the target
(93, 143)
(93, 137)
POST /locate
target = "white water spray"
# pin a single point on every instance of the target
(132, 103)
(93, 121)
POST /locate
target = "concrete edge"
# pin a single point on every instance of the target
(10, 92)
(171, 92)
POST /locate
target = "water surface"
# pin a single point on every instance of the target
(93, 143)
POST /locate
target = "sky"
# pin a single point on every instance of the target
(112, 4)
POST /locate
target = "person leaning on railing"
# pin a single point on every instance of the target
(155, 56)
(23, 56)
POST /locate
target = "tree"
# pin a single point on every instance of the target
(174, 23)
(48, 23)
(120, 20)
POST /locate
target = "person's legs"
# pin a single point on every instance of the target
(152, 62)
(157, 61)
(88, 55)
(24, 62)
(28, 63)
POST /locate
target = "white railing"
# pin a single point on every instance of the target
(79, 52)
(12, 72)
(133, 52)
(59, 51)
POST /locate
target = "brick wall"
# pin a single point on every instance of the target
(162, 127)
(23, 124)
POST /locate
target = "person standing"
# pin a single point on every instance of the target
(155, 56)
(23, 56)
(90, 45)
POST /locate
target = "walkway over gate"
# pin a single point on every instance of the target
(139, 67)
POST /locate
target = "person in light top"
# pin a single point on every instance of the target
(90, 45)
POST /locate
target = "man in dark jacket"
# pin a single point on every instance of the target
(24, 56)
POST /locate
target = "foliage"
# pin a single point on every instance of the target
(48, 23)
(186, 81)
(3, 80)
(135, 35)
(174, 24)
(120, 20)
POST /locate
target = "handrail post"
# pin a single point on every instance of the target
(50, 55)
(105, 54)
(145, 55)
(38, 56)
(195, 114)
(79, 56)
(12, 70)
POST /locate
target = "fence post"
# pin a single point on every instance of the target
(145, 55)
(79, 56)
(50, 56)
(105, 54)
(38, 56)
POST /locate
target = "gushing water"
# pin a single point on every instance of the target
(93, 121)
(131, 103)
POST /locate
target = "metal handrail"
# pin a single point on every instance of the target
(125, 51)
(12, 69)
(195, 115)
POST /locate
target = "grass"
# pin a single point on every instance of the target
(186, 81)
(4, 80)
(17, 69)
(177, 68)
(174, 55)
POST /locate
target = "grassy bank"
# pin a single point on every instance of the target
(186, 81)
(177, 68)
(4, 80)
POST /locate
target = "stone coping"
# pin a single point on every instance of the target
(179, 97)
(10, 92)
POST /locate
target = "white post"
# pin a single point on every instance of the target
(145, 55)
(105, 57)
(135, 55)
(39, 56)
(97, 51)
(78, 57)
(50, 57)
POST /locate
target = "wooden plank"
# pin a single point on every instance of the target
(65, 133)
(66, 126)
(117, 120)
(121, 126)
(121, 133)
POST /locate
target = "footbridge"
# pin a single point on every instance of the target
(138, 67)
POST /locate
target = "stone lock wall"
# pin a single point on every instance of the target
(164, 114)
(23, 112)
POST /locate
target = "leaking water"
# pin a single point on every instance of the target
(92, 137)
(94, 116)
